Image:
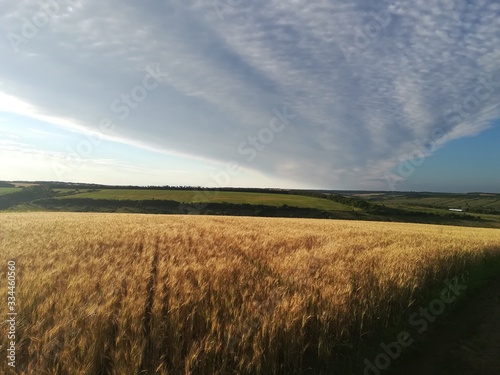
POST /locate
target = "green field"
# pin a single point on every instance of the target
(475, 201)
(437, 200)
(480, 210)
(485, 206)
(8, 190)
(196, 196)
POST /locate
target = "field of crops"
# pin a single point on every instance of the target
(121, 294)
(471, 201)
(196, 196)
(6, 190)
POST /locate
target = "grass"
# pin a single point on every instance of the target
(4, 190)
(195, 196)
(440, 203)
(121, 294)
(490, 220)
(478, 202)
(72, 190)
(412, 207)
(29, 207)
(446, 201)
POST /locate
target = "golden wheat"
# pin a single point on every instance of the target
(136, 294)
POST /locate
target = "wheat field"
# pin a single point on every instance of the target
(137, 294)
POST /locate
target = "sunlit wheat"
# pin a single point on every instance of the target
(129, 294)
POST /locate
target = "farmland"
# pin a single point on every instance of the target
(5, 190)
(121, 293)
(476, 202)
(197, 196)
(477, 210)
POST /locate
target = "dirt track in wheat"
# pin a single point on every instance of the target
(129, 294)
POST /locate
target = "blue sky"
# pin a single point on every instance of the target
(328, 94)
